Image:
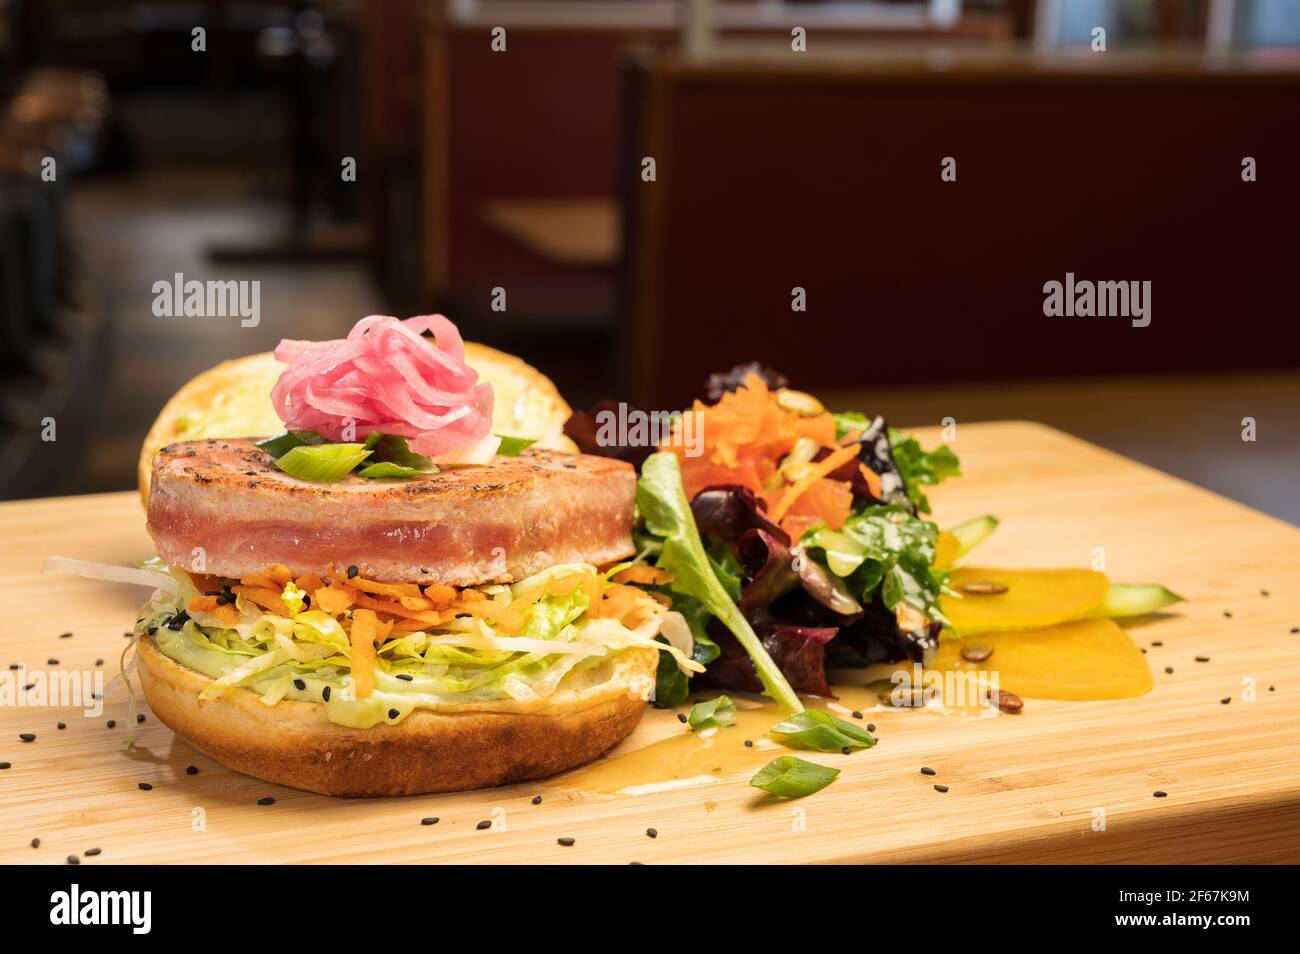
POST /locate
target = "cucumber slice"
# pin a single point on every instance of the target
(971, 533)
(1125, 599)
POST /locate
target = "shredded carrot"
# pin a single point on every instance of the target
(415, 602)
(471, 596)
(309, 583)
(439, 592)
(508, 620)
(260, 581)
(267, 599)
(872, 479)
(366, 631)
(278, 573)
(377, 588)
(205, 582)
(820, 470)
(643, 573)
(225, 612)
(335, 598)
(393, 608)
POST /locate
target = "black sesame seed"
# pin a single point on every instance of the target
(1294, 630)
(652, 832)
(266, 800)
(857, 714)
(393, 713)
(566, 842)
(432, 820)
(405, 676)
(681, 717)
(14, 667)
(51, 662)
(871, 727)
(36, 843)
(1202, 658)
(1227, 615)
(926, 770)
(299, 685)
(537, 799)
(27, 736)
(61, 725)
(112, 723)
(1159, 794)
(191, 770)
(941, 788)
(139, 718)
(749, 743)
(73, 860)
(1144, 650)
(1225, 700)
(29, 687)
(847, 750)
(65, 635)
(1263, 592)
(1169, 669)
(352, 572)
(145, 787)
(5, 765)
(325, 693)
(99, 662)
(483, 825)
(1156, 642)
(92, 852)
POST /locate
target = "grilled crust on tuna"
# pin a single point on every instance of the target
(223, 507)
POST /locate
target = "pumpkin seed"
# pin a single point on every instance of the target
(976, 652)
(982, 588)
(800, 402)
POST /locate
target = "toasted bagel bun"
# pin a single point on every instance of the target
(233, 399)
(460, 748)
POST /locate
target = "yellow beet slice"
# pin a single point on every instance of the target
(1087, 659)
(1032, 598)
(946, 549)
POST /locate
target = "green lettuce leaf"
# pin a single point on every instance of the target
(918, 467)
(662, 504)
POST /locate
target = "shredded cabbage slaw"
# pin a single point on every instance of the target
(306, 656)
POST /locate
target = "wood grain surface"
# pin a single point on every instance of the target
(1030, 787)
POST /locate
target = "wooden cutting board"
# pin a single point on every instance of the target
(1033, 787)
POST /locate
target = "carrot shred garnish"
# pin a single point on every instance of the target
(375, 587)
(872, 479)
(366, 631)
(415, 602)
(261, 582)
(820, 470)
(643, 573)
(309, 583)
(267, 599)
(335, 598)
(278, 574)
(439, 592)
(508, 620)
(205, 582)
(393, 608)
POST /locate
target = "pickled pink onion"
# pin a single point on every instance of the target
(385, 377)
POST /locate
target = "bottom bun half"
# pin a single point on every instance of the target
(293, 743)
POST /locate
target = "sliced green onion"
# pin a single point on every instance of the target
(712, 712)
(386, 468)
(843, 553)
(972, 533)
(790, 777)
(394, 448)
(511, 446)
(281, 444)
(821, 730)
(322, 463)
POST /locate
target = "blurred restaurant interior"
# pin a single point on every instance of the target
(500, 149)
